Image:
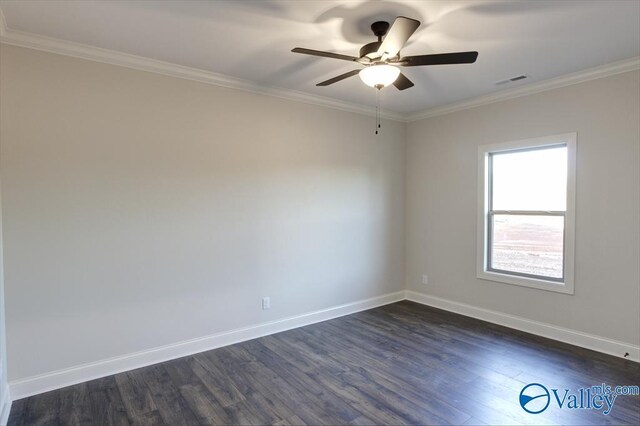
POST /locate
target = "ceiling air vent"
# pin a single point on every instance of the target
(510, 80)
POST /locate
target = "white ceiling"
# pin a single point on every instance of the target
(252, 40)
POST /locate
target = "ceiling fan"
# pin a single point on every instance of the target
(382, 58)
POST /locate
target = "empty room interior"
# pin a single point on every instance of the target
(351, 212)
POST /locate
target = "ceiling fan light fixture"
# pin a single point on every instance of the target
(379, 75)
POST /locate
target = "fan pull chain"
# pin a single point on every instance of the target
(377, 109)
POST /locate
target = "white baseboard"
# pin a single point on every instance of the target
(58, 379)
(5, 404)
(573, 337)
(70, 376)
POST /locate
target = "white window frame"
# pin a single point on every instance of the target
(566, 286)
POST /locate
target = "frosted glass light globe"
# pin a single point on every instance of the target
(379, 75)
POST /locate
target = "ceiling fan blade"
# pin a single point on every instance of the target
(397, 36)
(338, 78)
(440, 59)
(323, 54)
(402, 82)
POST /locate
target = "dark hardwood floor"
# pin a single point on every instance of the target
(399, 364)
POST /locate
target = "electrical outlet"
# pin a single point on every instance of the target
(266, 303)
(425, 279)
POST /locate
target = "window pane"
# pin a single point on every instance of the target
(530, 180)
(528, 244)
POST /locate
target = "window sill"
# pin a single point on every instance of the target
(566, 287)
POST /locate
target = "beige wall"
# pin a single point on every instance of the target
(4, 385)
(142, 210)
(442, 196)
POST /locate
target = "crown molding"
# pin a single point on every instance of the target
(82, 51)
(601, 71)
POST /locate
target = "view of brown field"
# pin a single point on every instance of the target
(528, 244)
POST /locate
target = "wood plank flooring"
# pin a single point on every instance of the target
(402, 363)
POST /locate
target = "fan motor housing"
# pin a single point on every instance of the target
(380, 29)
(369, 48)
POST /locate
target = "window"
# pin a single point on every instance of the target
(526, 194)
